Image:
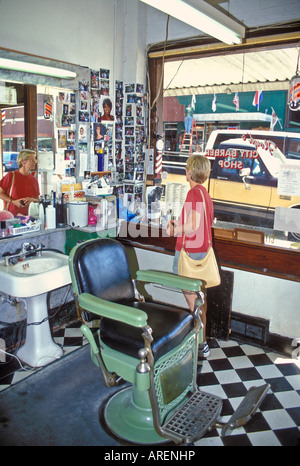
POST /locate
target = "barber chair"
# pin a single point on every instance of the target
(152, 346)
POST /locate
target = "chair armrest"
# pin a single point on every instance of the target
(102, 308)
(169, 279)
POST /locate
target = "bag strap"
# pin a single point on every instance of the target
(206, 221)
(11, 188)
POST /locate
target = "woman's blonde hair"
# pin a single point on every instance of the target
(199, 166)
(23, 155)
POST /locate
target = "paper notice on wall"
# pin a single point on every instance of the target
(287, 219)
(289, 180)
(175, 197)
(83, 163)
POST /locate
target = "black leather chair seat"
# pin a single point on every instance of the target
(170, 325)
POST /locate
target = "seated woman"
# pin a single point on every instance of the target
(19, 188)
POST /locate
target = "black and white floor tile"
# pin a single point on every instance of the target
(229, 371)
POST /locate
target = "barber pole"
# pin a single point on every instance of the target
(158, 158)
(158, 164)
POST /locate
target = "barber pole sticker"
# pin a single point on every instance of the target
(158, 163)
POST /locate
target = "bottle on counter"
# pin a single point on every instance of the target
(3, 229)
(42, 215)
(50, 217)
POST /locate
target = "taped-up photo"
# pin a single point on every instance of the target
(82, 133)
(84, 86)
(99, 132)
(95, 111)
(69, 154)
(71, 135)
(106, 110)
(61, 139)
(131, 98)
(104, 73)
(129, 88)
(153, 198)
(104, 87)
(94, 79)
(119, 108)
(129, 121)
(140, 88)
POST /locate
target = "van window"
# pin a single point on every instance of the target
(293, 149)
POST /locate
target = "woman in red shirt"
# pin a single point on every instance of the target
(192, 225)
(19, 188)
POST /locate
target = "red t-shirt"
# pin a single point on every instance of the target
(23, 186)
(198, 241)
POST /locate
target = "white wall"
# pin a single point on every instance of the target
(94, 33)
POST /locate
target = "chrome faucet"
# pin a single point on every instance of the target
(26, 250)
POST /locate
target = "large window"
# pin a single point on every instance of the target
(241, 112)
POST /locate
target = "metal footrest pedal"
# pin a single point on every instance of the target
(194, 418)
(245, 410)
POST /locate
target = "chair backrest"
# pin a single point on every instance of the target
(101, 268)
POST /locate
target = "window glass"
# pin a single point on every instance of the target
(248, 136)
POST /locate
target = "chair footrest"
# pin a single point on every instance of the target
(246, 409)
(194, 418)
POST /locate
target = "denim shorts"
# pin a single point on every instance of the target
(193, 255)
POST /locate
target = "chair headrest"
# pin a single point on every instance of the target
(101, 268)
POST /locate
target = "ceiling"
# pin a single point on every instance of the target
(236, 72)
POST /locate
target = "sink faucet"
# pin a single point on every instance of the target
(26, 250)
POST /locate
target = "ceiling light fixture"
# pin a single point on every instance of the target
(205, 18)
(18, 65)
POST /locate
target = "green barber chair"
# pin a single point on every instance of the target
(150, 345)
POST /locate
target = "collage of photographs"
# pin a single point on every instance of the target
(111, 131)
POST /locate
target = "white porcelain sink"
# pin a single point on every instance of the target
(32, 279)
(35, 275)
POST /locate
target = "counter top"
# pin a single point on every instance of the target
(232, 253)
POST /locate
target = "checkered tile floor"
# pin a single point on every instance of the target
(229, 371)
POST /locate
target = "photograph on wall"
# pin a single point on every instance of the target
(104, 73)
(82, 133)
(84, 86)
(104, 87)
(129, 88)
(69, 155)
(106, 109)
(99, 131)
(119, 90)
(61, 139)
(140, 88)
(95, 111)
(95, 79)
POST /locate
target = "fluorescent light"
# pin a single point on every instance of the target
(208, 20)
(17, 65)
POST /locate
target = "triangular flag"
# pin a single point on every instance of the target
(214, 103)
(236, 101)
(193, 103)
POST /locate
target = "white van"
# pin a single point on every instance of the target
(287, 142)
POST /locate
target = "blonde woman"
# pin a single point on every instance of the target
(19, 188)
(191, 227)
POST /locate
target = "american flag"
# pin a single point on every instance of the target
(3, 117)
(236, 101)
(258, 97)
